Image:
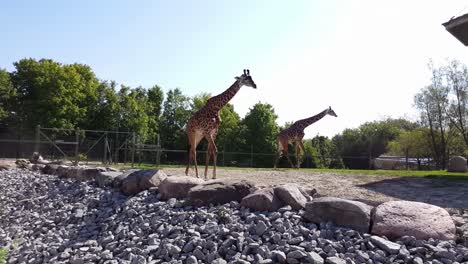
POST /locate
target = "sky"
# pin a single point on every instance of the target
(366, 59)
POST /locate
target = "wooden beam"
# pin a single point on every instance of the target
(458, 27)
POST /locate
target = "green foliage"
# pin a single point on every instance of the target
(52, 94)
(7, 94)
(154, 110)
(368, 140)
(260, 130)
(104, 112)
(413, 143)
(174, 118)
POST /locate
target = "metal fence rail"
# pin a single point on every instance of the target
(112, 147)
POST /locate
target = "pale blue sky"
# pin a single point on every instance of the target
(366, 59)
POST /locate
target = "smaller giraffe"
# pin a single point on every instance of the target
(205, 123)
(295, 133)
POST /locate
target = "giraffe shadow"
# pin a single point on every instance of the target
(447, 192)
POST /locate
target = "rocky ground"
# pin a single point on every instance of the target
(46, 219)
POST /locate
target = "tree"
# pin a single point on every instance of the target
(260, 132)
(411, 144)
(432, 102)
(132, 111)
(7, 94)
(359, 146)
(52, 94)
(456, 78)
(104, 113)
(176, 112)
(153, 110)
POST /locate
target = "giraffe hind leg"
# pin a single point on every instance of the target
(194, 140)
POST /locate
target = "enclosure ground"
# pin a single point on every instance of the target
(436, 188)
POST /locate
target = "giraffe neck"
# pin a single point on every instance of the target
(217, 102)
(303, 123)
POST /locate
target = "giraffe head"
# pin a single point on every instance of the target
(331, 112)
(246, 79)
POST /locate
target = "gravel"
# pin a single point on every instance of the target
(45, 219)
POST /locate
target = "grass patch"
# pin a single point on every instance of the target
(397, 173)
(3, 255)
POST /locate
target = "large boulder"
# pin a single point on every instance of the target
(106, 178)
(292, 194)
(37, 158)
(219, 192)
(404, 218)
(50, 169)
(4, 166)
(178, 186)
(141, 180)
(22, 163)
(342, 212)
(262, 200)
(457, 164)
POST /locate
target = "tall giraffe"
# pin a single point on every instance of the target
(295, 133)
(205, 122)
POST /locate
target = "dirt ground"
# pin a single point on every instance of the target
(447, 193)
(440, 191)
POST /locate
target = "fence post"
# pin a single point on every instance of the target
(158, 152)
(251, 156)
(105, 149)
(133, 148)
(117, 144)
(77, 141)
(38, 138)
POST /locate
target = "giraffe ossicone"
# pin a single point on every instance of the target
(205, 123)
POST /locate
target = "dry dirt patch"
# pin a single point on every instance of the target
(372, 189)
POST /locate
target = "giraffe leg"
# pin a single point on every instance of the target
(208, 156)
(194, 140)
(278, 154)
(302, 147)
(214, 152)
(296, 146)
(285, 153)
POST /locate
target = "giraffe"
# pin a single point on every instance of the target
(295, 133)
(205, 122)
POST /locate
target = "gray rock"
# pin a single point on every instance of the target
(177, 186)
(296, 254)
(314, 258)
(279, 256)
(335, 260)
(106, 178)
(262, 200)
(342, 212)
(291, 194)
(388, 246)
(191, 260)
(260, 228)
(141, 180)
(423, 221)
(457, 164)
(219, 261)
(219, 192)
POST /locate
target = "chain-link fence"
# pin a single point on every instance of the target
(112, 147)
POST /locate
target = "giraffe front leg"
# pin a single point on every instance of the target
(214, 152)
(278, 154)
(297, 156)
(208, 156)
(285, 153)
(194, 154)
